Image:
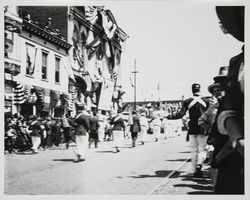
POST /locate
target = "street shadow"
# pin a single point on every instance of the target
(104, 151)
(200, 188)
(64, 160)
(185, 152)
(201, 192)
(24, 153)
(178, 160)
(160, 173)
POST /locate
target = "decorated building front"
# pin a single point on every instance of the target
(40, 85)
(68, 56)
(96, 55)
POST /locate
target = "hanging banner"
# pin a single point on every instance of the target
(106, 95)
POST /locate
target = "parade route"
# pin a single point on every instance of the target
(132, 171)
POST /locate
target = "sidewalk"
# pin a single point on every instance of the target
(183, 182)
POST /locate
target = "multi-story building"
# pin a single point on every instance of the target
(43, 76)
(72, 54)
(12, 55)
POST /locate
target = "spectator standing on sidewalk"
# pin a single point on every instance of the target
(94, 126)
(208, 118)
(196, 106)
(135, 128)
(118, 129)
(230, 121)
(81, 133)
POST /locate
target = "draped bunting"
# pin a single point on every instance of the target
(12, 25)
(12, 68)
(91, 14)
(19, 94)
(108, 25)
(73, 96)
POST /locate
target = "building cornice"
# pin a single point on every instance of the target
(30, 27)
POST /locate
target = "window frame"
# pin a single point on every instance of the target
(57, 68)
(46, 65)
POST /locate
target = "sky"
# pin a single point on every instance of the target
(175, 44)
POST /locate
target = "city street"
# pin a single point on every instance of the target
(132, 171)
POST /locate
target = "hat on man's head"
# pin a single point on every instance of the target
(80, 105)
(214, 85)
(222, 74)
(196, 87)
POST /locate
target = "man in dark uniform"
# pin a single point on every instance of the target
(196, 106)
(94, 126)
(135, 128)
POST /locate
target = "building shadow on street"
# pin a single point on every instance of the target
(108, 151)
(185, 152)
(178, 160)
(158, 174)
(200, 185)
(64, 160)
(200, 189)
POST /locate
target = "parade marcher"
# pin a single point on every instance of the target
(35, 126)
(101, 130)
(81, 133)
(229, 157)
(156, 127)
(94, 126)
(166, 127)
(118, 129)
(196, 106)
(144, 128)
(135, 128)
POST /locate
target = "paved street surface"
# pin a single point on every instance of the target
(140, 170)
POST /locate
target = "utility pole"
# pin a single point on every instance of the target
(135, 72)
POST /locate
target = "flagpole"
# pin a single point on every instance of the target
(134, 72)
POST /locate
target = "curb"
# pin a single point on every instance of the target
(158, 187)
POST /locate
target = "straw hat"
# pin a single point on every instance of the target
(211, 87)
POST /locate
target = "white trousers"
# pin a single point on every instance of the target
(36, 141)
(157, 131)
(82, 144)
(143, 134)
(198, 151)
(101, 133)
(118, 138)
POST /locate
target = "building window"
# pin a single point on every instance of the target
(44, 65)
(57, 70)
(30, 59)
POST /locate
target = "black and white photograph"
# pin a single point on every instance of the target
(124, 98)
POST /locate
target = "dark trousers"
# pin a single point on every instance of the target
(66, 134)
(93, 137)
(134, 136)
